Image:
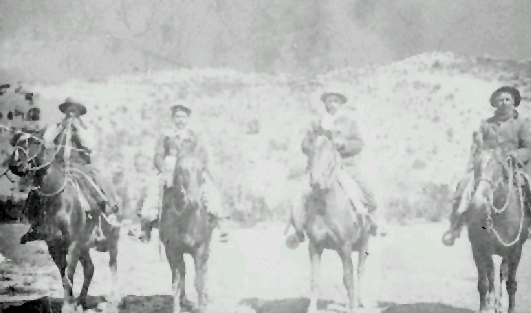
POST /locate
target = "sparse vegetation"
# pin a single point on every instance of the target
(252, 125)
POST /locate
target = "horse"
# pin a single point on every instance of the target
(185, 227)
(71, 211)
(497, 223)
(330, 222)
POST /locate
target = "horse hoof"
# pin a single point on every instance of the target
(24, 240)
(28, 237)
(187, 305)
(102, 248)
(448, 239)
(224, 238)
(70, 308)
(292, 242)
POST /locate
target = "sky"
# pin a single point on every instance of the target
(90, 40)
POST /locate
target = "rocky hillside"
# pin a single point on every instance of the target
(416, 115)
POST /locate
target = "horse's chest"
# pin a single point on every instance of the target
(178, 142)
(172, 146)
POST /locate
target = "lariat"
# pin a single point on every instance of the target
(68, 143)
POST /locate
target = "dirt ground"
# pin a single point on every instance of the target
(408, 271)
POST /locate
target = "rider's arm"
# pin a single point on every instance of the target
(352, 144)
(86, 137)
(160, 153)
(308, 137)
(524, 136)
(203, 153)
(50, 134)
(473, 150)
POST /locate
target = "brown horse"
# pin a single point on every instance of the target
(71, 211)
(497, 222)
(330, 223)
(185, 227)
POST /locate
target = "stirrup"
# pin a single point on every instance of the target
(449, 238)
(112, 219)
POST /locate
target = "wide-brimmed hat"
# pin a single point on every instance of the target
(325, 95)
(508, 89)
(74, 106)
(180, 108)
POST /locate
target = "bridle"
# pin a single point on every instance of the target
(491, 208)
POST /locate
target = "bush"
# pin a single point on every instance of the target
(434, 205)
(11, 210)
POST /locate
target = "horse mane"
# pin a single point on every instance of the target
(325, 160)
(191, 160)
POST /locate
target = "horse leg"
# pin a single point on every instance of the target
(178, 275)
(315, 259)
(88, 273)
(504, 269)
(348, 277)
(58, 250)
(511, 284)
(492, 298)
(483, 284)
(201, 268)
(72, 257)
(112, 246)
(362, 258)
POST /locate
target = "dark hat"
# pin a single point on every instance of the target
(179, 107)
(71, 105)
(325, 95)
(508, 89)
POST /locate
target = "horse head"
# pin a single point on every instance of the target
(189, 177)
(323, 163)
(28, 153)
(493, 174)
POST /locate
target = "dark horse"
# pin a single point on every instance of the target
(71, 211)
(330, 222)
(185, 227)
(497, 223)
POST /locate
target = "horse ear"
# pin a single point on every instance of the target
(15, 139)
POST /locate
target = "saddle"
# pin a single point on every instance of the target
(83, 179)
(353, 192)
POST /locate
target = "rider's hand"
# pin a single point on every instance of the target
(64, 123)
(339, 144)
(513, 155)
(75, 124)
(78, 124)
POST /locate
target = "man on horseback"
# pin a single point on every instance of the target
(505, 129)
(179, 139)
(338, 125)
(78, 146)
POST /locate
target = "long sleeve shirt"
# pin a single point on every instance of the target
(83, 138)
(173, 142)
(342, 129)
(513, 134)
